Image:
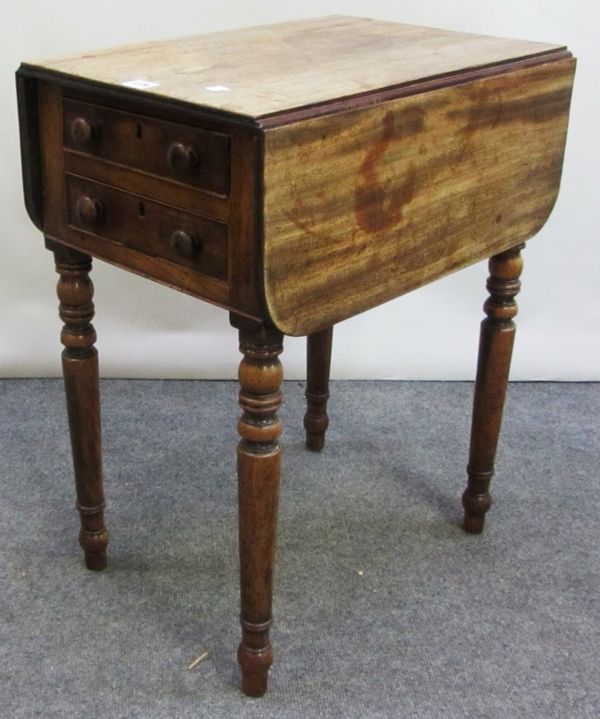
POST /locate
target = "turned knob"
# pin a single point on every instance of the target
(83, 132)
(182, 158)
(185, 243)
(88, 210)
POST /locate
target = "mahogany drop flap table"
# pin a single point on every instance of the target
(296, 175)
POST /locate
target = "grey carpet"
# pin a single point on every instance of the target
(384, 607)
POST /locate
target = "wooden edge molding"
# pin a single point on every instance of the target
(146, 102)
(350, 102)
(374, 97)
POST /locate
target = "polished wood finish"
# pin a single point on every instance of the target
(495, 351)
(260, 376)
(82, 132)
(318, 362)
(80, 371)
(173, 151)
(224, 268)
(149, 227)
(363, 206)
(295, 175)
(185, 244)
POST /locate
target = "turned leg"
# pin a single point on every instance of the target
(495, 350)
(318, 362)
(260, 377)
(80, 372)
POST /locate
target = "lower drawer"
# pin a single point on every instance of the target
(147, 226)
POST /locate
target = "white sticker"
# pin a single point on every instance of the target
(139, 84)
(218, 88)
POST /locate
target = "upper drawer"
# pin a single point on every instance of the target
(182, 153)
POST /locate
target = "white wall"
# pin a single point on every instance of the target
(146, 330)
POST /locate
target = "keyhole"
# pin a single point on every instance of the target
(141, 210)
(138, 131)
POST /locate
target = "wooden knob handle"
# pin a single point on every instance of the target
(182, 158)
(83, 132)
(185, 243)
(88, 210)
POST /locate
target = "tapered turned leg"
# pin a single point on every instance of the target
(260, 376)
(318, 361)
(80, 372)
(495, 350)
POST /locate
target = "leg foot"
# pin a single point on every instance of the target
(495, 350)
(80, 372)
(476, 505)
(260, 376)
(255, 663)
(96, 561)
(318, 362)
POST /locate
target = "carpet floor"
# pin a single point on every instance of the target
(383, 606)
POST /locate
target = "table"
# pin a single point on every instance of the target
(296, 175)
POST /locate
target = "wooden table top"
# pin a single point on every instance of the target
(345, 161)
(263, 71)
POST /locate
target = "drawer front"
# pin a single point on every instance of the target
(150, 227)
(192, 156)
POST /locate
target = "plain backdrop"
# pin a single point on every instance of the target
(146, 330)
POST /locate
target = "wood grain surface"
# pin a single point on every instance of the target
(274, 68)
(261, 376)
(82, 389)
(362, 206)
(318, 365)
(496, 341)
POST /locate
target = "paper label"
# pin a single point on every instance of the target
(139, 84)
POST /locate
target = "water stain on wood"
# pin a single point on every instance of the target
(412, 189)
(377, 208)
